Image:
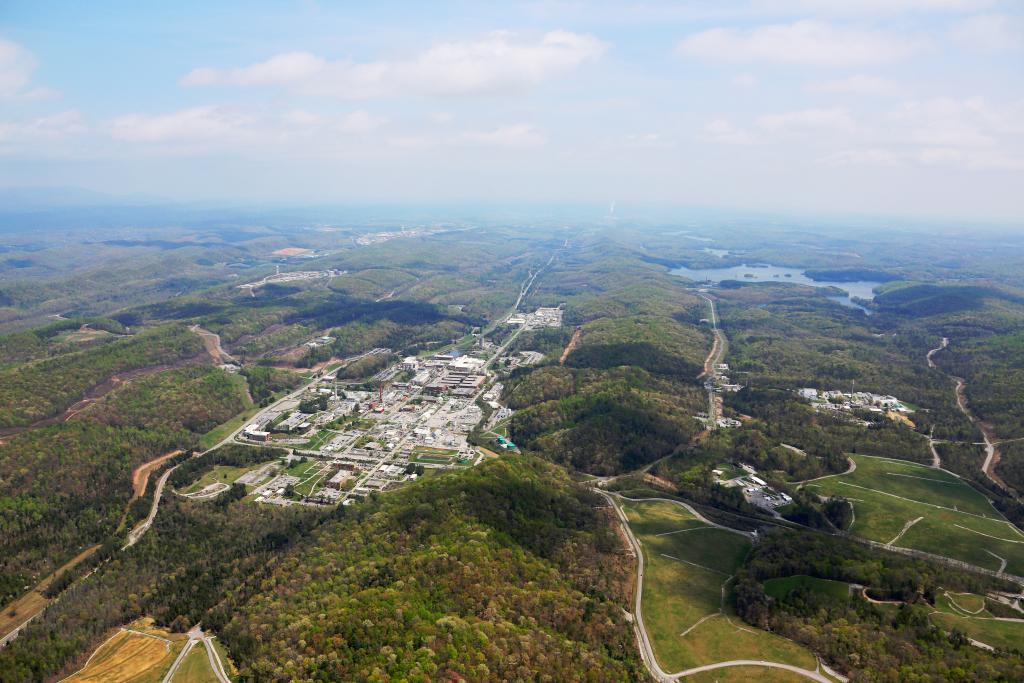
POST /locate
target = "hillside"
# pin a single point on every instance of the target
(490, 574)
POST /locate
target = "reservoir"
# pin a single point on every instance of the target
(861, 289)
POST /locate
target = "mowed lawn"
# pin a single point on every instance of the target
(745, 674)
(195, 667)
(221, 474)
(132, 657)
(688, 567)
(966, 612)
(955, 520)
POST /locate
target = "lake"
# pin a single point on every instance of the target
(862, 289)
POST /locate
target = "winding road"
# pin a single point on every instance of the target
(646, 650)
(135, 534)
(807, 673)
(990, 441)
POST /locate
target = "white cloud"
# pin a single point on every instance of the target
(515, 135)
(359, 122)
(870, 156)
(990, 33)
(724, 132)
(872, 7)
(278, 70)
(971, 133)
(499, 62)
(806, 119)
(859, 84)
(744, 80)
(207, 123)
(811, 43)
(16, 68)
(50, 128)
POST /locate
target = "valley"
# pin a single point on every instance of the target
(515, 438)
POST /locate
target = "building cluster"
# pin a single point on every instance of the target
(719, 381)
(319, 341)
(365, 441)
(852, 400)
(387, 235)
(443, 374)
(756, 490)
(294, 276)
(542, 317)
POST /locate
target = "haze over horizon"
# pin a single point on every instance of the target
(911, 107)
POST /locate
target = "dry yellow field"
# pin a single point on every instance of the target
(33, 602)
(131, 656)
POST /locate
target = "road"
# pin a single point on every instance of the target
(646, 651)
(718, 348)
(141, 529)
(713, 359)
(135, 534)
(813, 675)
(211, 340)
(197, 637)
(991, 453)
(990, 442)
(929, 356)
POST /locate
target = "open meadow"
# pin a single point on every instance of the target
(967, 612)
(914, 506)
(688, 569)
(138, 653)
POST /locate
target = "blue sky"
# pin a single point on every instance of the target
(870, 106)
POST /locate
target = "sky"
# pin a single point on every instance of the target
(872, 107)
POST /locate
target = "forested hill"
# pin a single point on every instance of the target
(496, 573)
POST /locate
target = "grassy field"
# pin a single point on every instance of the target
(743, 674)
(688, 567)
(729, 471)
(28, 605)
(310, 475)
(222, 474)
(966, 612)
(140, 655)
(433, 456)
(915, 506)
(780, 588)
(221, 432)
(195, 668)
(318, 441)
